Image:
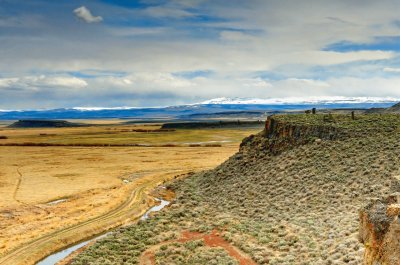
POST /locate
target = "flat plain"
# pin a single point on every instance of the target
(47, 188)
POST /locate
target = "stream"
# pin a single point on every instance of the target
(60, 255)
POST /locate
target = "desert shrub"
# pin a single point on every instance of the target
(193, 252)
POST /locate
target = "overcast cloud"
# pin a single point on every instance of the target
(152, 53)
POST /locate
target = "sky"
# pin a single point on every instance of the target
(106, 53)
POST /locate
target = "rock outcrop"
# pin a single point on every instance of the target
(380, 231)
(278, 135)
(278, 130)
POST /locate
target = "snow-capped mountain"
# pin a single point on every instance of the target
(301, 100)
(212, 106)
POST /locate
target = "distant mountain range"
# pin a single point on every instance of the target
(302, 100)
(213, 106)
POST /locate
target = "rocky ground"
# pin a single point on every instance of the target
(291, 195)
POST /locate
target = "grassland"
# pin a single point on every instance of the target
(92, 181)
(298, 206)
(122, 135)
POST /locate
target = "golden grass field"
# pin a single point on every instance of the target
(92, 180)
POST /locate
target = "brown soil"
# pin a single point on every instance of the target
(213, 239)
(164, 193)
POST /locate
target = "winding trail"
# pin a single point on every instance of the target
(17, 186)
(131, 209)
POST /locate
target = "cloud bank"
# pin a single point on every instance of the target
(154, 52)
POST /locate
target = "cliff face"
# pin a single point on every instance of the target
(275, 129)
(380, 231)
(280, 135)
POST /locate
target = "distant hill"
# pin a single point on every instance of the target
(43, 124)
(394, 108)
(214, 124)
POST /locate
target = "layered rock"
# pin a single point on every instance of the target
(380, 231)
(277, 129)
(280, 135)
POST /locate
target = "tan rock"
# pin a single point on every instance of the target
(380, 231)
(393, 210)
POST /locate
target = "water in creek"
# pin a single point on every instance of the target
(58, 256)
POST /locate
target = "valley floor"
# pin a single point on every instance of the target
(45, 190)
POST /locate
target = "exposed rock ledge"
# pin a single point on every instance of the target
(280, 135)
(380, 231)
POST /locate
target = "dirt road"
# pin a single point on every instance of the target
(128, 211)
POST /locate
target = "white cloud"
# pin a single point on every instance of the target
(42, 81)
(85, 14)
(255, 82)
(391, 70)
(308, 82)
(163, 88)
(144, 82)
(373, 86)
(148, 83)
(5, 82)
(327, 58)
(62, 81)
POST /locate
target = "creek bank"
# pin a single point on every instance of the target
(63, 254)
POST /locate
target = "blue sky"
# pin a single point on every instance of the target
(106, 53)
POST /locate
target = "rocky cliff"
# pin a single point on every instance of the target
(279, 135)
(380, 231)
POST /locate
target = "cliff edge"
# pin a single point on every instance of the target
(280, 135)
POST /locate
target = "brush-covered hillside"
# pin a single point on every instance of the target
(291, 195)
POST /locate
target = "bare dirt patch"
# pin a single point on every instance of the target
(212, 240)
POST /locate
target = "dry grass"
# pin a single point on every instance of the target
(90, 178)
(118, 134)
